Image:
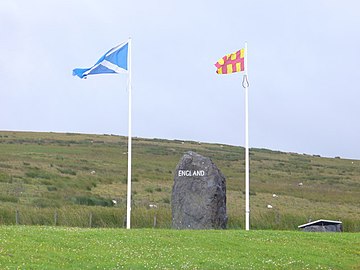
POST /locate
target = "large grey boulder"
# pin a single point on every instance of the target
(199, 194)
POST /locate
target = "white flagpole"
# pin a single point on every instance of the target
(247, 161)
(128, 208)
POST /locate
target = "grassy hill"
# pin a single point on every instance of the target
(70, 179)
(28, 247)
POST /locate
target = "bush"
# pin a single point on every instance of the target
(4, 177)
(37, 173)
(45, 203)
(7, 198)
(66, 171)
(52, 188)
(166, 200)
(92, 201)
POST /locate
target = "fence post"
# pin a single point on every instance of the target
(90, 219)
(55, 218)
(154, 220)
(124, 222)
(17, 217)
(277, 218)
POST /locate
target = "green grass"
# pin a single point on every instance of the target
(41, 173)
(28, 247)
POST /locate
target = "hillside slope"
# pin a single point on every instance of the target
(75, 174)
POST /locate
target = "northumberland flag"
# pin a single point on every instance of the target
(114, 61)
(230, 63)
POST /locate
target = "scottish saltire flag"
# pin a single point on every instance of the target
(114, 61)
(230, 63)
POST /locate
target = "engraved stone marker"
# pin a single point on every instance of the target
(199, 194)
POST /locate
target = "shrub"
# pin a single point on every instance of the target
(45, 203)
(5, 178)
(51, 188)
(166, 200)
(7, 198)
(92, 201)
(37, 173)
(66, 171)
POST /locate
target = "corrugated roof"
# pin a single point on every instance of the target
(319, 221)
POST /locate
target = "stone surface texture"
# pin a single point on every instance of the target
(199, 194)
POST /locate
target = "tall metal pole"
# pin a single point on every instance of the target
(128, 208)
(247, 161)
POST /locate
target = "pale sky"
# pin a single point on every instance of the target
(303, 65)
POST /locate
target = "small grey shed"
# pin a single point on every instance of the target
(322, 225)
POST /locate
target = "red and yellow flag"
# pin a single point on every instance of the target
(230, 63)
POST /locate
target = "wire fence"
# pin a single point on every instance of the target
(141, 217)
(92, 217)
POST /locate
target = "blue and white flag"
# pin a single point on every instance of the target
(114, 61)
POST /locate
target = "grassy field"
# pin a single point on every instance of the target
(69, 179)
(29, 247)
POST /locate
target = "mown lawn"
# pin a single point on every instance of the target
(33, 247)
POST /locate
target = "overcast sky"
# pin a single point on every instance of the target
(303, 65)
